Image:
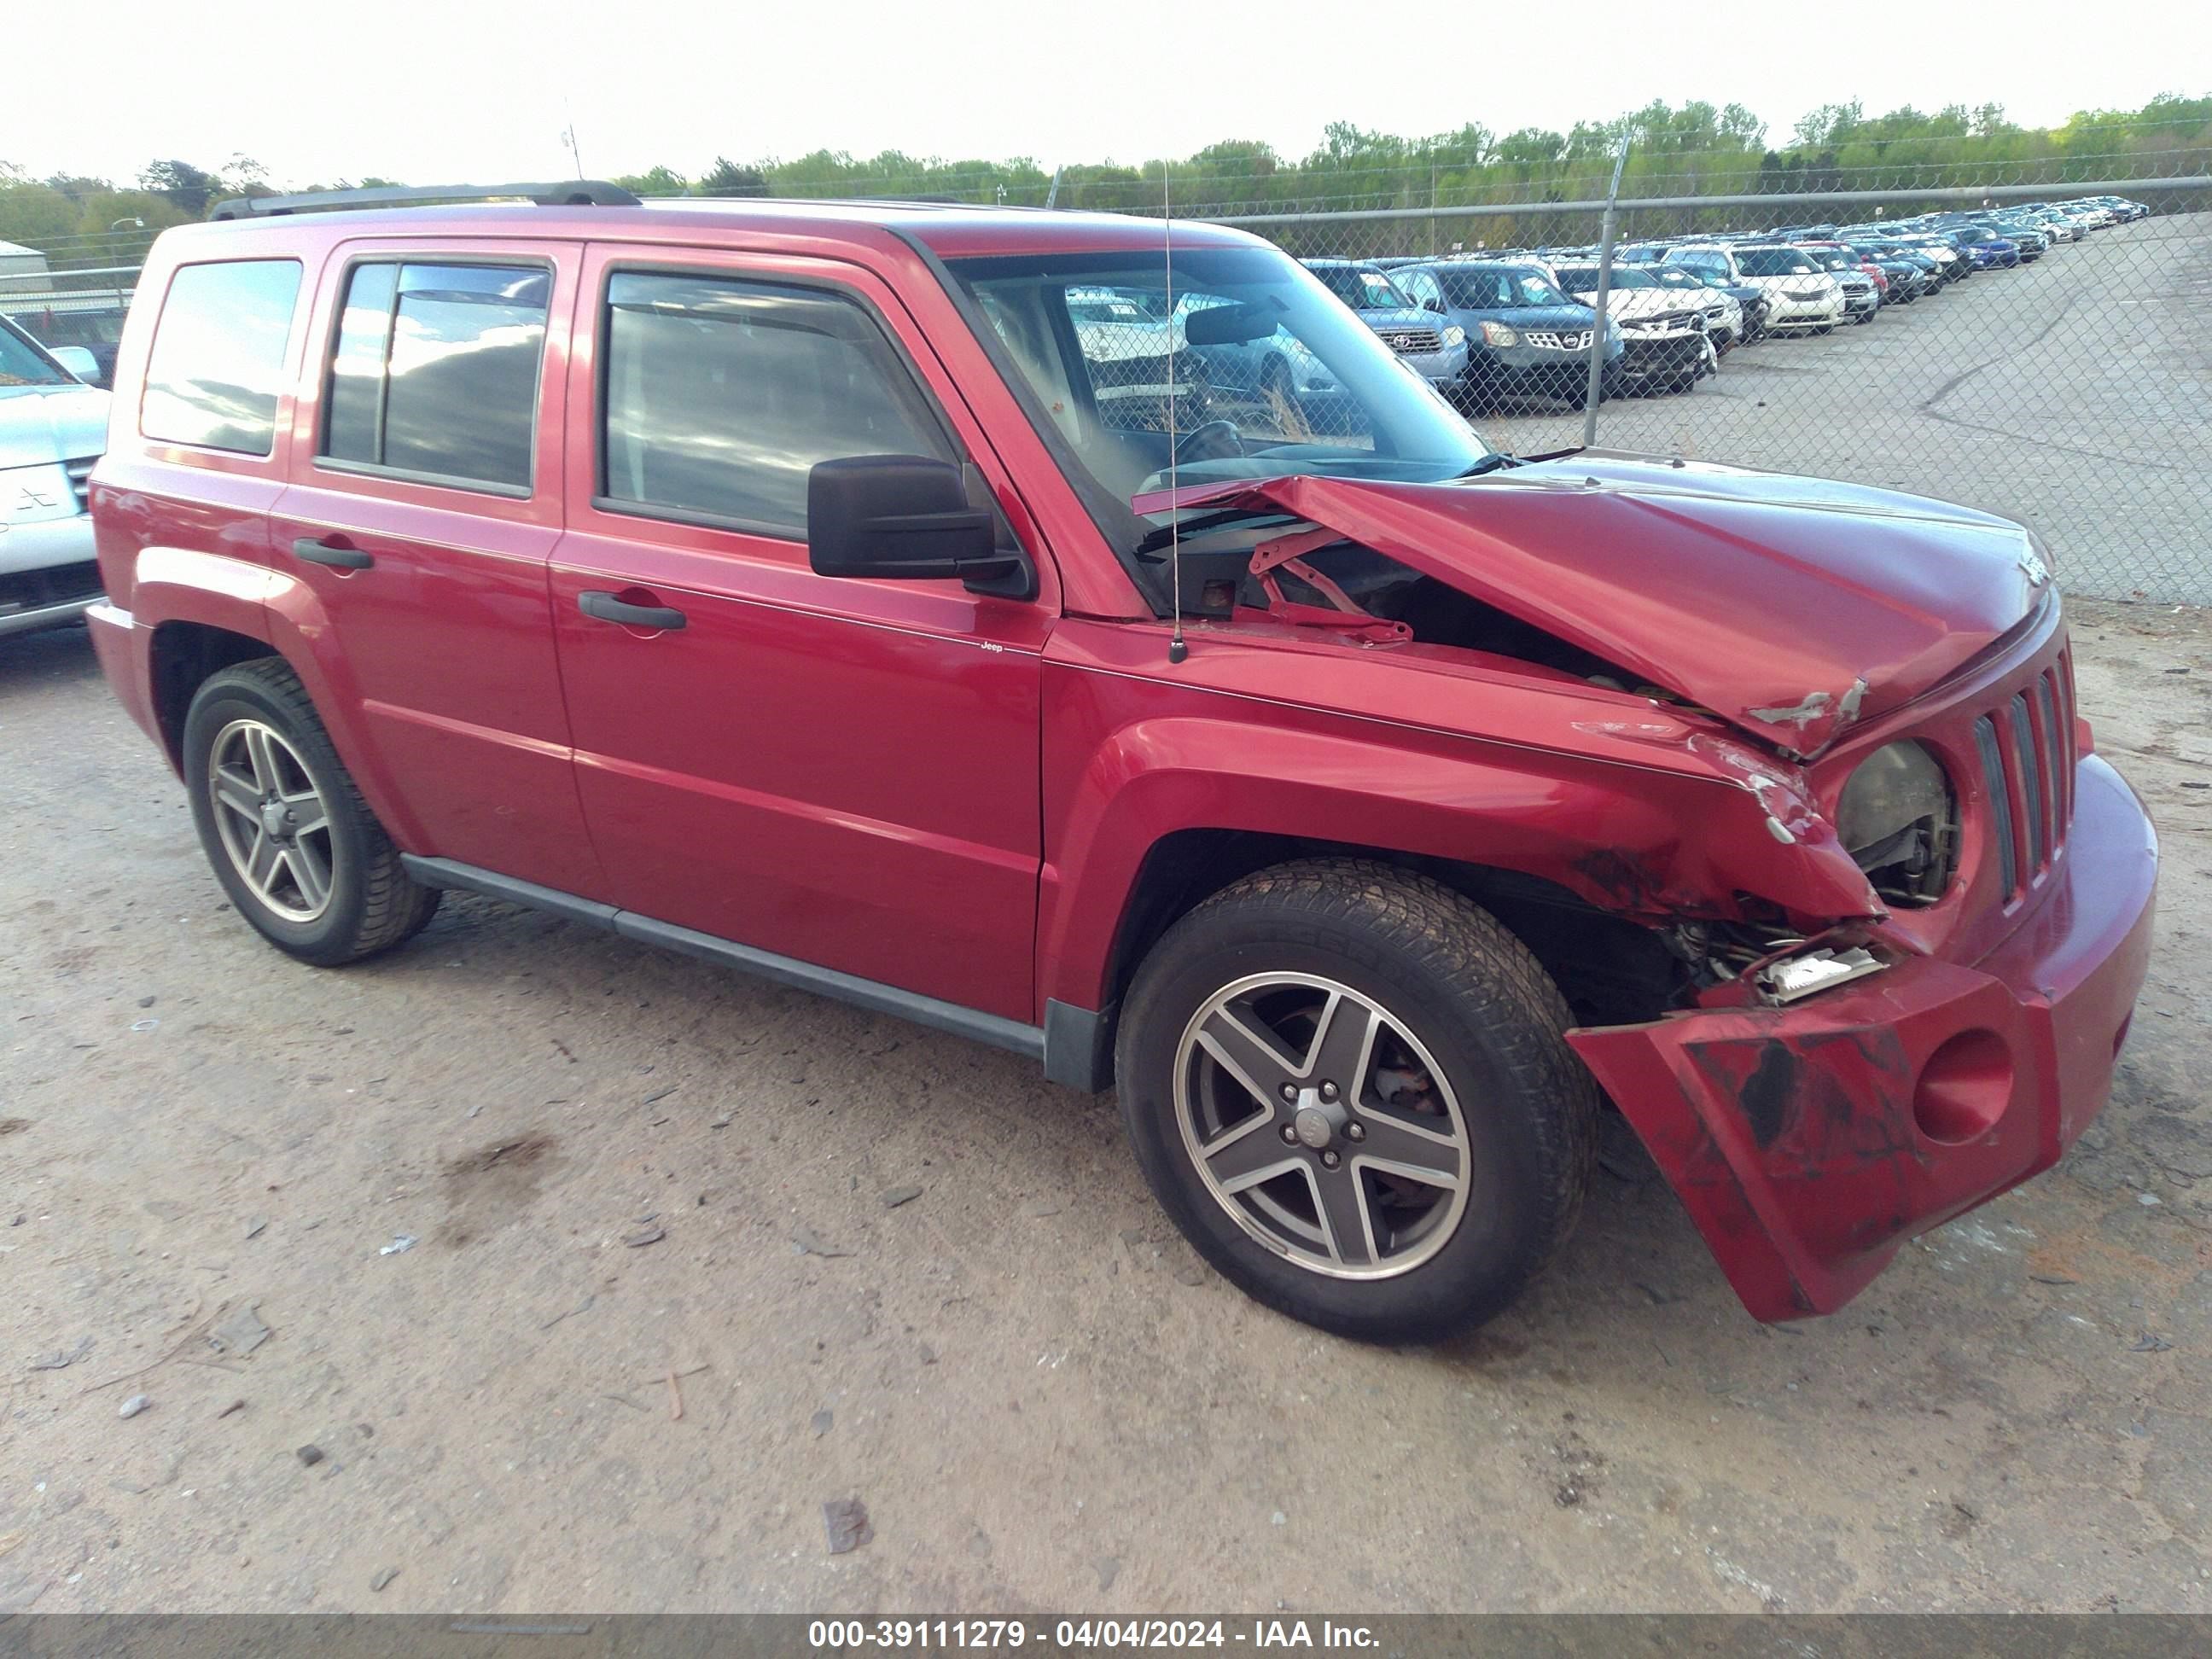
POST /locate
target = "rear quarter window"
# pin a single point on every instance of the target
(217, 365)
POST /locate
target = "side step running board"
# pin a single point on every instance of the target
(1080, 1034)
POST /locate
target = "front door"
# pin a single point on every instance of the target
(836, 770)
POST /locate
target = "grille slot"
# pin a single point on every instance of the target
(2000, 795)
(80, 477)
(2029, 754)
(2029, 765)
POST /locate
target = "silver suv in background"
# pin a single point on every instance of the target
(53, 428)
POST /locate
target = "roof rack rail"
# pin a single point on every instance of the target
(567, 192)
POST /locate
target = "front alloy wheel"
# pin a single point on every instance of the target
(1322, 1126)
(1348, 1084)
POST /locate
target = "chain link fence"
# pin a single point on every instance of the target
(2038, 348)
(2043, 351)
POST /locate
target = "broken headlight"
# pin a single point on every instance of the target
(1899, 821)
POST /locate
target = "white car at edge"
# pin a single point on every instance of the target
(53, 428)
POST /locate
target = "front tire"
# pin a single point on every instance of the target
(295, 848)
(1348, 1086)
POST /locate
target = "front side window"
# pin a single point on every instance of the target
(720, 396)
(218, 361)
(435, 371)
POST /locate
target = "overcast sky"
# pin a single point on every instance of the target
(434, 91)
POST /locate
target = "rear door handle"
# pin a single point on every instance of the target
(607, 608)
(321, 552)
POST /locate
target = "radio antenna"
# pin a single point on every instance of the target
(1177, 648)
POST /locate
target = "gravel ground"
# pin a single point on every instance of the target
(630, 1179)
(2070, 394)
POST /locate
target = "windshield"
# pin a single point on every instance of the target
(1776, 262)
(1834, 259)
(1497, 287)
(22, 363)
(1675, 276)
(1363, 290)
(1262, 374)
(1582, 279)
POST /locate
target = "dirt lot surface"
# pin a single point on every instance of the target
(617, 1167)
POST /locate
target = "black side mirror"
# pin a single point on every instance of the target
(905, 518)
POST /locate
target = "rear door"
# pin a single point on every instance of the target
(837, 770)
(424, 502)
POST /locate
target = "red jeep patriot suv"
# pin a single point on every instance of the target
(1087, 637)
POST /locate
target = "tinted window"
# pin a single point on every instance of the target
(218, 358)
(435, 369)
(720, 397)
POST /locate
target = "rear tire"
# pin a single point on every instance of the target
(1412, 1031)
(292, 841)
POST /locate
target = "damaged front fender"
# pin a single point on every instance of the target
(1809, 1142)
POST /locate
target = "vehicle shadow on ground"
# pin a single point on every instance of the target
(55, 655)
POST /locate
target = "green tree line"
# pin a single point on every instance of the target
(1696, 148)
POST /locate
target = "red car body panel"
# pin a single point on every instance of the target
(958, 796)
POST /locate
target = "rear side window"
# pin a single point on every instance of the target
(218, 357)
(435, 371)
(720, 395)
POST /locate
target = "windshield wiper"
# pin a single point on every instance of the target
(1495, 461)
(1156, 539)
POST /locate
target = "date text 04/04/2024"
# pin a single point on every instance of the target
(897, 1635)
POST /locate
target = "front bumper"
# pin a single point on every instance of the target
(1647, 357)
(1808, 1142)
(47, 573)
(1439, 367)
(1789, 311)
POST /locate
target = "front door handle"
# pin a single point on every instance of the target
(607, 608)
(320, 552)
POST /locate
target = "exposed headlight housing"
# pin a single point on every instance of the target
(1899, 820)
(1499, 334)
(1453, 334)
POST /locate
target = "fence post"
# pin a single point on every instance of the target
(1596, 387)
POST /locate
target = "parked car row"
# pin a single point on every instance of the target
(1490, 329)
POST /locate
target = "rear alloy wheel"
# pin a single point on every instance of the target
(295, 848)
(271, 819)
(1347, 1086)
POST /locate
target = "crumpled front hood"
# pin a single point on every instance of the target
(39, 425)
(1791, 607)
